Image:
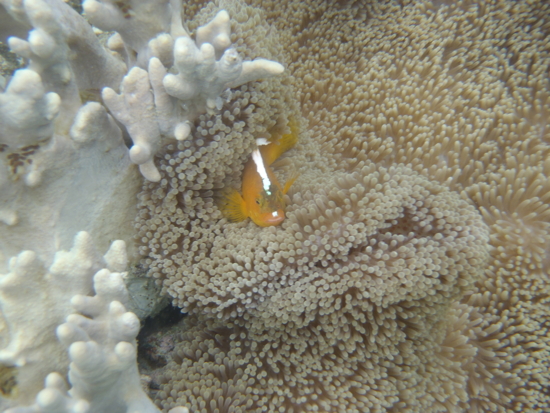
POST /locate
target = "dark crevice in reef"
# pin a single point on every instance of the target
(156, 338)
(156, 343)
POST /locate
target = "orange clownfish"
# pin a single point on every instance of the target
(262, 195)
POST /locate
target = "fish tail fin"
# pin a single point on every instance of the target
(271, 152)
(290, 181)
(232, 206)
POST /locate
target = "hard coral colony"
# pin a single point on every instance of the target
(411, 272)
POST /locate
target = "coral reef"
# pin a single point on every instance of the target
(32, 327)
(411, 273)
(66, 121)
(49, 139)
(100, 337)
(57, 154)
(157, 103)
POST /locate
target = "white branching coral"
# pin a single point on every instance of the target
(202, 70)
(143, 28)
(62, 48)
(32, 347)
(134, 108)
(100, 338)
(210, 66)
(27, 111)
(188, 77)
(54, 151)
(44, 184)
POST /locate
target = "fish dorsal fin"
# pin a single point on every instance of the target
(272, 151)
(290, 181)
(233, 206)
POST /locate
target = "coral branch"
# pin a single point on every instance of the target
(100, 338)
(27, 111)
(134, 107)
(32, 346)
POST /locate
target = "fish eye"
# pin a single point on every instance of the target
(258, 201)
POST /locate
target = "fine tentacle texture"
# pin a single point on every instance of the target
(411, 272)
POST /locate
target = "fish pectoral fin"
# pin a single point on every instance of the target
(233, 207)
(290, 181)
